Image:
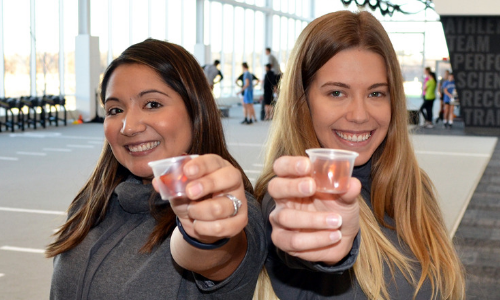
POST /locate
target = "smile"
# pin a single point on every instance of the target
(143, 147)
(354, 137)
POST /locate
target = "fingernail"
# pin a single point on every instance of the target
(306, 187)
(195, 190)
(302, 167)
(335, 236)
(191, 170)
(334, 221)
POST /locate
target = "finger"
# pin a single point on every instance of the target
(224, 180)
(304, 220)
(292, 166)
(203, 164)
(217, 208)
(354, 189)
(155, 185)
(298, 241)
(281, 188)
(226, 228)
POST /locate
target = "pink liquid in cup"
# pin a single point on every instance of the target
(332, 169)
(172, 179)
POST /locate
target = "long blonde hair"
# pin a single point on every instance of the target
(401, 189)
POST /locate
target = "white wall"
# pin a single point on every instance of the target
(467, 7)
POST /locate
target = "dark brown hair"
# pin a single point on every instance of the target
(180, 71)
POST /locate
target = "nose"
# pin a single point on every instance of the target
(357, 110)
(133, 124)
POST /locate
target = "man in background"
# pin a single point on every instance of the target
(211, 72)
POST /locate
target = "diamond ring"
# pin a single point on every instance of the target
(236, 203)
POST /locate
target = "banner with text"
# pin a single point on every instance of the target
(474, 47)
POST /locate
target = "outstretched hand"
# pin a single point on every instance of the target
(206, 214)
(313, 226)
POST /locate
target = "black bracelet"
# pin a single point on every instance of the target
(194, 242)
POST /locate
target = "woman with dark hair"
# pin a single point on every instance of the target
(120, 240)
(385, 237)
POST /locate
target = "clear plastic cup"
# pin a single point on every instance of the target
(172, 181)
(331, 169)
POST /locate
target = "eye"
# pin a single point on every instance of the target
(113, 111)
(336, 93)
(153, 105)
(376, 94)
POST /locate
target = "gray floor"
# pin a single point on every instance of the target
(42, 170)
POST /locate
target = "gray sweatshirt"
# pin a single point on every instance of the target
(107, 263)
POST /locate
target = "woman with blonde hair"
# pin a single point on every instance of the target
(385, 237)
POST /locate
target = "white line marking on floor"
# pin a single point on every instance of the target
(31, 153)
(19, 249)
(80, 137)
(80, 146)
(252, 171)
(251, 179)
(258, 165)
(57, 149)
(245, 145)
(96, 142)
(33, 211)
(8, 158)
(452, 153)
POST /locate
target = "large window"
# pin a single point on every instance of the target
(39, 41)
(17, 47)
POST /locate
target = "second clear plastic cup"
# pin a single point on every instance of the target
(331, 169)
(172, 181)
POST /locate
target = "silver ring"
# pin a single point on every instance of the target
(236, 203)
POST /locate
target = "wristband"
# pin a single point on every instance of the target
(195, 243)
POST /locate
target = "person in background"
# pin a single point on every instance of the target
(275, 65)
(385, 237)
(449, 89)
(429, 97)
(441, 96)
(211, 72)
(268, 85)
(247, 92)
(121, 240)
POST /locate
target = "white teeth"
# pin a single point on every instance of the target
(143, 147)
(354, 137)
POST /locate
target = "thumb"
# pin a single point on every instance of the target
(349, 197)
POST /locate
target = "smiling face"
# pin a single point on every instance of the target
(145, 120)
(350, 102)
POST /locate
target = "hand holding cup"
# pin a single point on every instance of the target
(307, 223)
(196, 188)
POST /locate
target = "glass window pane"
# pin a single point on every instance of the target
(70, 32)
(174, 25)
(215, 33)
(17, 47)
(189, 34)
(259, 41)
(284, 6)
(140, 21)
(158, 19)
(99, 28)
(47, 47)
(276, 34)
(283, 41)
(249, 37)
(227, 36)
(119, 27)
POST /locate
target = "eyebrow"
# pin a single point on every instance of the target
(343, 85)
(141, 94)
